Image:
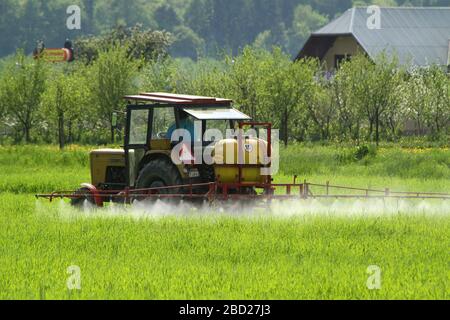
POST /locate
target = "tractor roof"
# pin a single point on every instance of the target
(178, 100)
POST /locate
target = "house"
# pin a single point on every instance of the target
(420, 36)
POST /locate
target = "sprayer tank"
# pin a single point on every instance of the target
(252, 158)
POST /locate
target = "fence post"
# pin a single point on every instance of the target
(306, 190)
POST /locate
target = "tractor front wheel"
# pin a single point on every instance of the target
(159, 173)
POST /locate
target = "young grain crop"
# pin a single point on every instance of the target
(217, 256)
(220, 257)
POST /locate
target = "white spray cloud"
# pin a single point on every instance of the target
(277, 209)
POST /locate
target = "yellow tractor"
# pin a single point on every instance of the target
(179, 147)
(146, 168)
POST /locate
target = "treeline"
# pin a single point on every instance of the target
(363, 101)
(197, 27)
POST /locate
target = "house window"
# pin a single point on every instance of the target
(339, 58)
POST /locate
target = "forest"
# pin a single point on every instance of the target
(197, 28)
(130, 46)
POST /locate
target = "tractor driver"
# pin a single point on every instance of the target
(186, 123)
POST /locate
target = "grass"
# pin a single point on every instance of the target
(388, 161)
(34, 169)
(223, 256)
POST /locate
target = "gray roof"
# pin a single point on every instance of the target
(417, 35)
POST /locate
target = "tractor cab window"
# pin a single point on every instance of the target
(138, 127)
(186, 122)
(163, 120)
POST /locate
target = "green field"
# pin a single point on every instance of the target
(295, 251)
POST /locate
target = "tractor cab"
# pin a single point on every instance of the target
(152, 138)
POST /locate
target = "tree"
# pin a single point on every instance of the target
(320, 108)
(186, 43)
(119, 12)
(276, 37)
(199, 16)
(140, 43)
(37, 21)
(90, 13)
(166, 17)
(428, 100)
(228, 25)
(371, 85)
(438, 100)
(380, 85)
(270, 87)
(22, 85)
(394, 117)
(65, 101)
(331, 8)
(305, 21)
(158, 74)
(285, 91)
(209, 79)
(246, 70)
(349, 111)
(111, 77)
(8, 15)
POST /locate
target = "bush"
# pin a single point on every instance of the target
(365, 151)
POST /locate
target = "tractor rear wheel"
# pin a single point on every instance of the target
(159, 173)
(82, 196)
